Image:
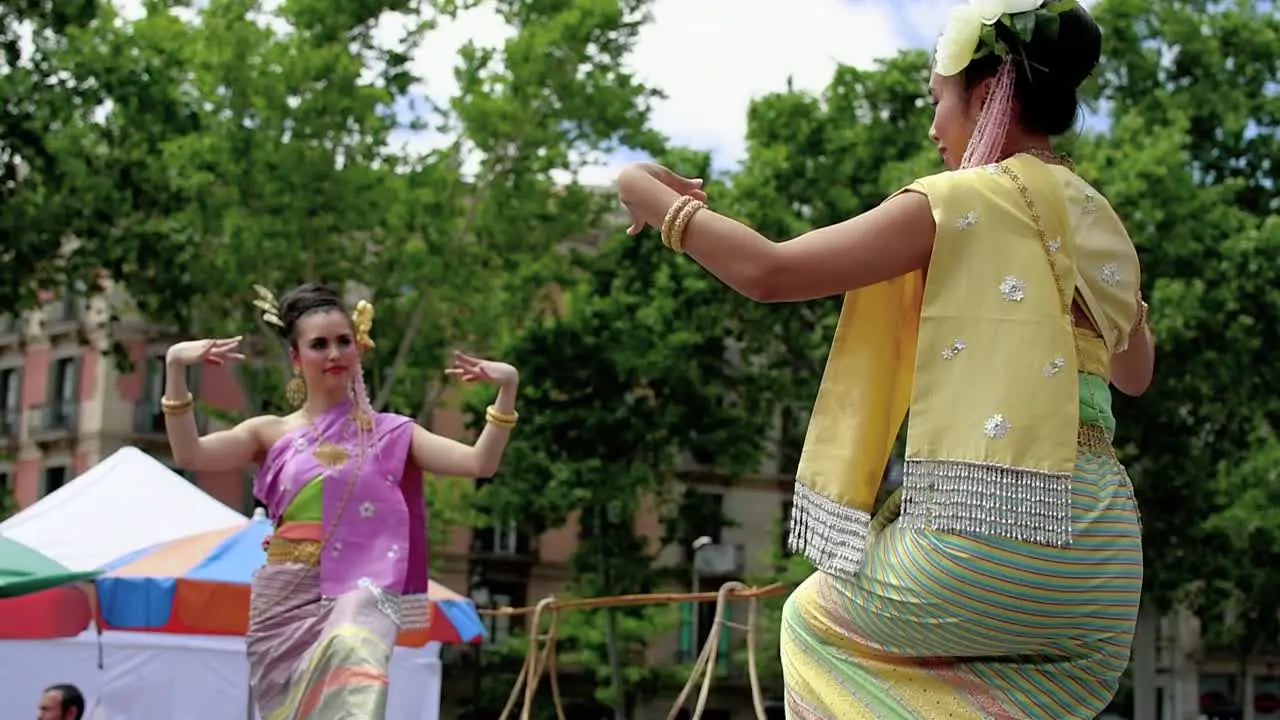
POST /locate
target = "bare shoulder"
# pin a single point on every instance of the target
(267, 430)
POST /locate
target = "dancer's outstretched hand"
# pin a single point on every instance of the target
(218, 351)
(633, 179)
(472, 369)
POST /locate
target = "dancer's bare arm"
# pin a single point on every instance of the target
(892, 239)
(1133, 369)
(223, 450)
(443, 456)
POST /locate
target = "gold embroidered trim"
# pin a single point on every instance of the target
(1095, 440)
(410, 612)
(283, 551)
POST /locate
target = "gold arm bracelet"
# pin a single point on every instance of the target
(682, 222)
(176, 407)
(503, 420)
(673, 214)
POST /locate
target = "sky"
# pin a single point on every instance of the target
(710, 57)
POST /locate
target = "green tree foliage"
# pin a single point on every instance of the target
(641, 368)
(237, 144)
(1248, 620)
(451, 504)
(1188, 158)
(60, 171)
(8, 505)
(815, 161)
(1190, 163)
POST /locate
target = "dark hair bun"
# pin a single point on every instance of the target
(304, 300)
(1050, 70)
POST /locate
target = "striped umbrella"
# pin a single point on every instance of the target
(24, 571)
(200, 585)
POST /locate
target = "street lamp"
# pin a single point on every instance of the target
(697, 545)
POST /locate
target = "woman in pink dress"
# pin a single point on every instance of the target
(347, 564)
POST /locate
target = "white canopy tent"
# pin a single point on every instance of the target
(128, 502)
(149, 676)
(125, 503)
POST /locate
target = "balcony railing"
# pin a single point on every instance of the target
(59, 417)
(148, 419)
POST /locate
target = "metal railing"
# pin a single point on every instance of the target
(56, 417)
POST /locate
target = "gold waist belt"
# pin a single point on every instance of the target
(1095, 439)
(281, 551)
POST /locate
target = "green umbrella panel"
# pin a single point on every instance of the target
(24, 570)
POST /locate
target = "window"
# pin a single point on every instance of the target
(794, 424)
(701, 514)
(64, 308)
(688, 648)
(71, 305)
(64, 390)
(503, 539)
(10, 401)
(54, 478)
(8, 503)
(147, 417)
(499, 595)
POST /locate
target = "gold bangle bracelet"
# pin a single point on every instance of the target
(682, 222)
(673, 214)
(503, 420)
(175, 407)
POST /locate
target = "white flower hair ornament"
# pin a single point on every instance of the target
(971, 30)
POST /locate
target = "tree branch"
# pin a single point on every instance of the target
(430, 396)
(420, 310)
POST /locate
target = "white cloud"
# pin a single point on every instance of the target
(712, 57)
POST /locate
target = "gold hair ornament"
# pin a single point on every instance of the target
(270, 307)
(362, 319)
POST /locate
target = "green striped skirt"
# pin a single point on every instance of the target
(938, 625)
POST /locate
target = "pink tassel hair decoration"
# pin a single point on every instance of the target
(987, 144)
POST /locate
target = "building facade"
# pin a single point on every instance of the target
(65, 405)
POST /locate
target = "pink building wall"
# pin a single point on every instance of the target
(218, 388)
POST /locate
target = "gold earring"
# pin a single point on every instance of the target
(296, 390)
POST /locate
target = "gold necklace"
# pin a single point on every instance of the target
(1050, 157)
(333, 456)
(326, 453)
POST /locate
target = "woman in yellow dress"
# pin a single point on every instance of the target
(992, 307)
